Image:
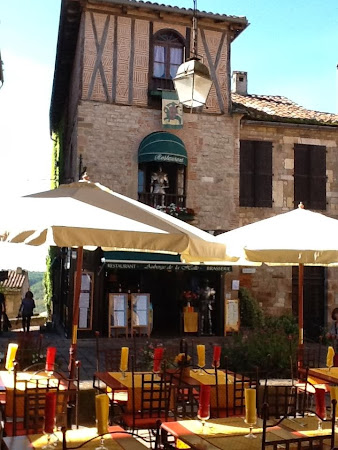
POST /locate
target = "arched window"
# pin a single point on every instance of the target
(168, 54)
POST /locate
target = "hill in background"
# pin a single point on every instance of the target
(36, 286)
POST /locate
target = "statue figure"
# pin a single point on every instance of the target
(206, 302)
(159, 182)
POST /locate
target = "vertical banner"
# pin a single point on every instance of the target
(172, 110)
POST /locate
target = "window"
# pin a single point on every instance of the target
(175, 184)
(310, 176)
(168, 52)
(255, 174)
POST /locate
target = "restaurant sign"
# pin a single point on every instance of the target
(169, 267)
(160, 157)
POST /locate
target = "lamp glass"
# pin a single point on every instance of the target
(192, 83)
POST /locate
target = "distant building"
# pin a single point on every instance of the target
(14, 289)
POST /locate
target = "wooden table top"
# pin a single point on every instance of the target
(324, 374)
(115, 441)
(229, 433)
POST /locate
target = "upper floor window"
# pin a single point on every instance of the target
(255, 188)
(168, 54)
(310, 176)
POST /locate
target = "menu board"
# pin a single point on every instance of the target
(86, 301)
(140, 304)
(231, 311)
(118, 313)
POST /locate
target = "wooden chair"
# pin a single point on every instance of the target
(150, 404)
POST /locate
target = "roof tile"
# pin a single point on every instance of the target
(278, 108)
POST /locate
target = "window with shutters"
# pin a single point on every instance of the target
(310, 176)
(255, 174)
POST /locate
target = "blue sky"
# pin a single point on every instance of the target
(289, 49)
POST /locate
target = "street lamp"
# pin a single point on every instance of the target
(192, 81)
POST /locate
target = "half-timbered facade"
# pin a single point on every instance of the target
(239, 159)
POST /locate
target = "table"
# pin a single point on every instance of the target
(114, 382)
(7, 387)
(193, 379)
(224, 434)
(114, 441)
(320, 374)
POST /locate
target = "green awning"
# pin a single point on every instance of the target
(162, 147)
(141, 256)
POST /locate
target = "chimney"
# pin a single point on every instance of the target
(240, 83)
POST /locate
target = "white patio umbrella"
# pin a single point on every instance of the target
(298, 237)
(88, 214)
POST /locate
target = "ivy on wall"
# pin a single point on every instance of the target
(57, 138)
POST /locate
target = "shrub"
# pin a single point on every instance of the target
(251, 314)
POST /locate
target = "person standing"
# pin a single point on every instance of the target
(26, 310)
(2, 311)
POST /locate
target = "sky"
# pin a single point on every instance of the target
(290, 48)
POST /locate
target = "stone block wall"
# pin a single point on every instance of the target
(109, 137)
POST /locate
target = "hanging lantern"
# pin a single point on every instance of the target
(192, 83)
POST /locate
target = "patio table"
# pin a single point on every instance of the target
(323, 374)
(114, 382)
(229, 433)
(7, 387)
(194, 378)
(114, 441)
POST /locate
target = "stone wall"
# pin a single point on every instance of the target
(272, 286)
(109, 137)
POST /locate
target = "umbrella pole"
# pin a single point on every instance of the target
(300, 313)
(73, 347)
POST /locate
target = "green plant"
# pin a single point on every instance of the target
(146, 356)
(251, 314)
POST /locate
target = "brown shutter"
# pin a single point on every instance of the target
(301, 177)
(318, 177)
(310, 176)
(263, 174)
(246, 183)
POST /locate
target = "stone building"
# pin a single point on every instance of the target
(299, 150)
(113, 75)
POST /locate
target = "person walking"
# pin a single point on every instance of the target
(26, 310)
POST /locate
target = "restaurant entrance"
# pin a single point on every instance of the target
(171, 288)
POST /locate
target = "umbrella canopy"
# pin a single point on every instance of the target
(89, 214)
(296, 237)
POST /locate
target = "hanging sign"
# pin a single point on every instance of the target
(172, 110)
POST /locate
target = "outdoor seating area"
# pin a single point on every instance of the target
(187, 394)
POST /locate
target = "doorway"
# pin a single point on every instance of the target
(315, 300)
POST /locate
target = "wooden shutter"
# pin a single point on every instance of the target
(263, 174)
(318, 177)
(301, 177)
(310, 176)
(246, 177)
